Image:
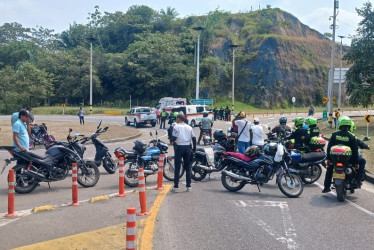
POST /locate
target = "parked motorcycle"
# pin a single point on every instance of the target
(40, 136)
(261, 168)
(52, 166)
(102, 152)
(344, 173)
(207, 140)
(146, 157)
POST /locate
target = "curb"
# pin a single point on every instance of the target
(43, 208)
(99, 198)
(123, 139)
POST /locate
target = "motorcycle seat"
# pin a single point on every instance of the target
(240, 156)
(313, 156)
(41, 157)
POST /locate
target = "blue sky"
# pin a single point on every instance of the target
(57, 14)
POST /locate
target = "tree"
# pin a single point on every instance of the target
(360, 77)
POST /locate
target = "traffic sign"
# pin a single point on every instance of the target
(293, 99)
(202, 101)
(368, 118)
(324, 115)
(325, 100)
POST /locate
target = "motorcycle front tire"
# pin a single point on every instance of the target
(90, 178)
(294, 179)
(109, 165)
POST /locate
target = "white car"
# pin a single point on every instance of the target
(140, 116)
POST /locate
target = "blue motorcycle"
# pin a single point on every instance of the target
(146, 157)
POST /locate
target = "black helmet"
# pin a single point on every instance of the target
(283, 119)
(219, 135)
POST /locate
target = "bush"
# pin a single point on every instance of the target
(284, 104)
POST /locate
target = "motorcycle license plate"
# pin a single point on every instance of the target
(148, 122)
(338, 176)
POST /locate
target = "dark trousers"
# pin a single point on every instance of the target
(81, 119)
(163, 120)
(158, 119)
(185, 153)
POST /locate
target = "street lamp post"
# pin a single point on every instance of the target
(233, 46)
(340, 71)
(199, 28)
(91, 39)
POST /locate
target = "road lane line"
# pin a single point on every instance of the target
(289, 228)
(147, 235)
(350, 202)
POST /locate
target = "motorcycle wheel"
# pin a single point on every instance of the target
(131, 178)
(290, 185)
(231, 184)
(23, 184)
(89, 175)
(109, 165)
(340, 192)
(169, 167)
(314, 172)
(198, 174)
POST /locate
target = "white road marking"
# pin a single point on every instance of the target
(350, 202)
(289, 229)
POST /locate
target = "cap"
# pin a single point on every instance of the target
(256, 120)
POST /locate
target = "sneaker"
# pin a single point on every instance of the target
(174, 190)
(326, 190)
(189, 189)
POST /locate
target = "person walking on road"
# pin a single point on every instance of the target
(244, 129)
(158, 116)
(81, 115)
(164, 115)
(257, 134)
(205, 125)
(21, 131)
(182, 136)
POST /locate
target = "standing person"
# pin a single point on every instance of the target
(164, 115)
(205, 125)
(21, 131)
(244, 129)
(336, 117)
(300, 133)
(31, 116)
(81, 115)
(257, 133)
(221, 113)
(215, 113)
(182, 136)
(14, 117)
(158, 115)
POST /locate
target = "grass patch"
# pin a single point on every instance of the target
(56, 110)
(60, 130)
(360, 132)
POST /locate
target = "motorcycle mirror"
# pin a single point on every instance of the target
(156, 132)
(269, 128)
(105, 129)
(99, 123)
(70, 129)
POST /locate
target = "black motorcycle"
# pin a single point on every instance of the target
(102, 152)
(40, 136)
(260, 169)
(52, 166)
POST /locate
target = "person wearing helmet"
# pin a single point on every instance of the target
(361, 160)
(205, 125)
(313, 129)
(245, 132)
(282, 127)
(311, 110)
(342, 137)
(299, 134)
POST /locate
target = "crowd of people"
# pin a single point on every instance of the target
(222, 113)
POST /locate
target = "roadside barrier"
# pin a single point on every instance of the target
(11, 195)
(121, 183)
(131, 229)
(160, 174)
(75, 185)
(142, 195)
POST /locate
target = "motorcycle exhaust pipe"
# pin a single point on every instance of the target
(33, 174)
(146, 171)
(235, 176)
(205, 168)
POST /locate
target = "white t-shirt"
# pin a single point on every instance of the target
(184, 133)
(245, 136)
(257, 133)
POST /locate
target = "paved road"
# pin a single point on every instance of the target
(209, 217)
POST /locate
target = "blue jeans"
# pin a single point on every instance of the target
(242, 146)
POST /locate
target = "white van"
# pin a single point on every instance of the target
(193, 113)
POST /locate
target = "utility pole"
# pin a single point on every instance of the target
(340, 72)
(332, 69)
(233, 46)
(91, 78)
(198, 61)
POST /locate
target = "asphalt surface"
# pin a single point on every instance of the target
(208, 217)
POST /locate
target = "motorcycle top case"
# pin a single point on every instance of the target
(270, 148)
(140, 147)
(317, 142)
(296, 157)
(340, 153)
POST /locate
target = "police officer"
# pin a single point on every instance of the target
(182, 137)
(164, 115)
(300, 134)
(313, 129)
(282, 127)
(343, 137)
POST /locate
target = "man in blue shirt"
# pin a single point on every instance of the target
(14, 117)
(21, 131)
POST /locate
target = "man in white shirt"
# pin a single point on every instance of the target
(182, 137)
(244, 132)
(257, 133)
